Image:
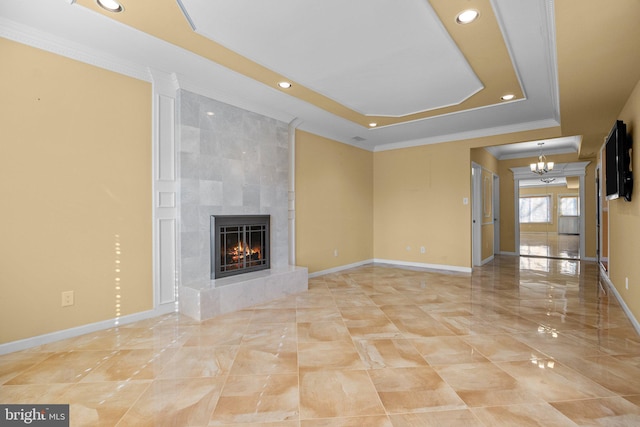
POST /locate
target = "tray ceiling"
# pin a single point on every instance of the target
(407, 66)
(377, 57)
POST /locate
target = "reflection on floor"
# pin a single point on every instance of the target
(521, 341)
(552, 245)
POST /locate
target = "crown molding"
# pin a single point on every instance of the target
(559, 169)
(41, 40)
(481, 133)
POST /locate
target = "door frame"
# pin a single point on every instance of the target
(496, 214)
(578, 169)
(476, 214)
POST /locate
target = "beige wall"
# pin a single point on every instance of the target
(418, 201)
(507, 207)
(334, 203)
(484, 159)
(624, 219)
(75, 183)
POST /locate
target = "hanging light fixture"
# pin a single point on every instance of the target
(542, 166)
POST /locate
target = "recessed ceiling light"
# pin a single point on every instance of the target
(373, 124)
(507, 97)
(210, 113)
(110, 5)
(467, 16)
(284, 85)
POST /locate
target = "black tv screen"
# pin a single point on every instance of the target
(618, 178)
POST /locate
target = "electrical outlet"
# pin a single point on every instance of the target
(422, 249)
(67, 298)
(335, 252)
(626, 283)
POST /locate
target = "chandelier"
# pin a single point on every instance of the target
(542, 166)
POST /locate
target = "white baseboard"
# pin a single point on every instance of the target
(340, 268)
(508, 253)
(452, 268)
(623, 304)
(26, 343)
(484, 261)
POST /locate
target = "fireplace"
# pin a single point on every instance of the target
(239, 244)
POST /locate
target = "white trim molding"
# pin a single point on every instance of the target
(27, 343)
(377, 261)
(293, 125)
(340, 268)
(442, 267)
(165, 190)
(623, 304)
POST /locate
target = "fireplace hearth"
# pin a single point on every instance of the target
(239, 244)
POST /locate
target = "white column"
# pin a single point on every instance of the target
(292, 190)
(165, 194)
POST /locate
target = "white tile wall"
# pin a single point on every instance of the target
(232, 162)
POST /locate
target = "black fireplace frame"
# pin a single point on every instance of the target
(219, 221)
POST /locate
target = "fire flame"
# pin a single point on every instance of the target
(238, 253)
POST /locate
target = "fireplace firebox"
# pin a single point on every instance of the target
(239, 244)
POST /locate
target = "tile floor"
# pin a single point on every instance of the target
(552, 245)
(517, 343)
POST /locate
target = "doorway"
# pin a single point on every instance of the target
(549, 216)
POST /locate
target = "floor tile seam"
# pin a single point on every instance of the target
(344, 417)
(133, 404)
(587, 374)
(373, 385)
(476, 363)
(15, 374)
(84, 372)
(428, 410)
(545, 353)
(222, 387)
(583, 343)
(187, 377)
(427, 364)
(449, 328)
(570, 423)
(628, 356)
(412, 341)
(588, 399)
(628, 366)
(298, 382)
(173, 357)
(609, 351)
(486, 356)
(451, 387)
(583, 377)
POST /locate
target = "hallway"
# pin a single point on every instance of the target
(515, 343)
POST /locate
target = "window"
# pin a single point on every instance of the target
(569, 206)
(535, 209)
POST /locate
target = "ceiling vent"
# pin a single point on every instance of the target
(358, 139)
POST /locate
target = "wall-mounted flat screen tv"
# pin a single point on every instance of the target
(618, 176)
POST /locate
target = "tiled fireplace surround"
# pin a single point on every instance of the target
(231, 162)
